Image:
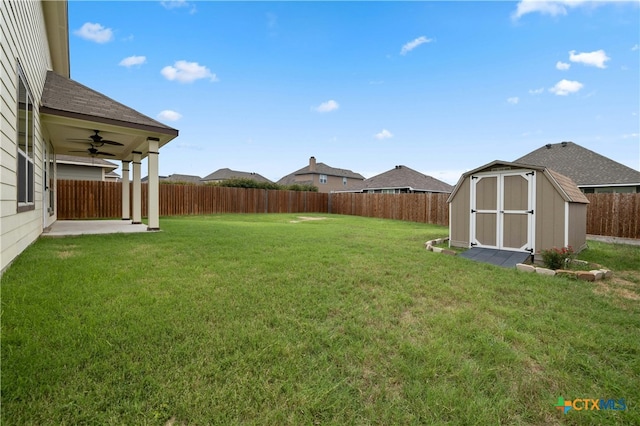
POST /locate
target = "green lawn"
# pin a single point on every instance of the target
(253, 319)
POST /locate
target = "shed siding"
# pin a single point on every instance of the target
(550, 215)
(578, 226)
(25, 43)
(459, 217)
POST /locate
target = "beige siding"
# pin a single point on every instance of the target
(578, 226)
(460, 211)
(23, 41)
(549, 215)
(75, 172)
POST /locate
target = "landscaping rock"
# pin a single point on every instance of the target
(525, 268)
(585, 276)
(545, 271)
(449, 252)
(598, 275)
(607, 273)
(429, 247)
(436, 249)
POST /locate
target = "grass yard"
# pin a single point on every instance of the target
(255, 319)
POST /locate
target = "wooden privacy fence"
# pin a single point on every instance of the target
(97, 200)
(616, 215)
(425, 208)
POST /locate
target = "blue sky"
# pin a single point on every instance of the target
(441, 87)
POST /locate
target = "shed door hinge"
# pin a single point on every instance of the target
(473, 210)
(532, 173)
(530, 211)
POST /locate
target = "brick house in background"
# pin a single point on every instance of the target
(322, 176)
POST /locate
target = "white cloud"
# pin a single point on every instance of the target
(562, 66)
(631, 136)
(636, 47)
(328, 106)
(168, 115)
(133, 60)
(514, 100)
(544, 7)
(536, 91)
(95, 32)
(187, 72)
(384, 134)
(594, 59)
(565, 87)
(408, 47)
(174, 4)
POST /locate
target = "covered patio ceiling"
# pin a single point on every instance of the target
(72, 112)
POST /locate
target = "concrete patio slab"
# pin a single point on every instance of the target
(62, 228)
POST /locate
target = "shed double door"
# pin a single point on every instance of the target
(502, 210)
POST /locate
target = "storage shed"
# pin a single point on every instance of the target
(517, 207)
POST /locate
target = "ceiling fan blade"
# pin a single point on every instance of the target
(84, 150)
(111, 142)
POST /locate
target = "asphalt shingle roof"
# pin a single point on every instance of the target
(222, 174)
(65, 97)
(583, 166)
(320, 169)
(405, 177)
(88, 161)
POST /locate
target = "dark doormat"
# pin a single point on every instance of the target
(504, 258)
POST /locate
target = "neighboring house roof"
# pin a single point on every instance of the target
(85, 161)
(583, 166)
(112, 175)
(401, 177)
(318, 169)
(224, 174)
(566, 187)
(65, 97)
(182, 178)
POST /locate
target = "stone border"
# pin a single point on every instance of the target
(593, 275)
(429, 245)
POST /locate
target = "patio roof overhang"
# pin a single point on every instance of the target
(71, 111)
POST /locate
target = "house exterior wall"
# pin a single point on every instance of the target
(24, 45)
(550, 215)
(334, 183)
(76, 172)
(459, 216)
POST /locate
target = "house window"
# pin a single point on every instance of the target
(344, 181)
(323, 178)
(25, 169)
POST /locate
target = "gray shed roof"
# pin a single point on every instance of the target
(404, 177)
(583, 166)
(65, 97)
(565, 186)
(223, 174)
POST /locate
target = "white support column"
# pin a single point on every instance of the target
(154, 186)
(137, 189)
(126, 208)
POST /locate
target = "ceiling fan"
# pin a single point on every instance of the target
(93, 152)
(96, 140)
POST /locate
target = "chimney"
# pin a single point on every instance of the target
(312, 164)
